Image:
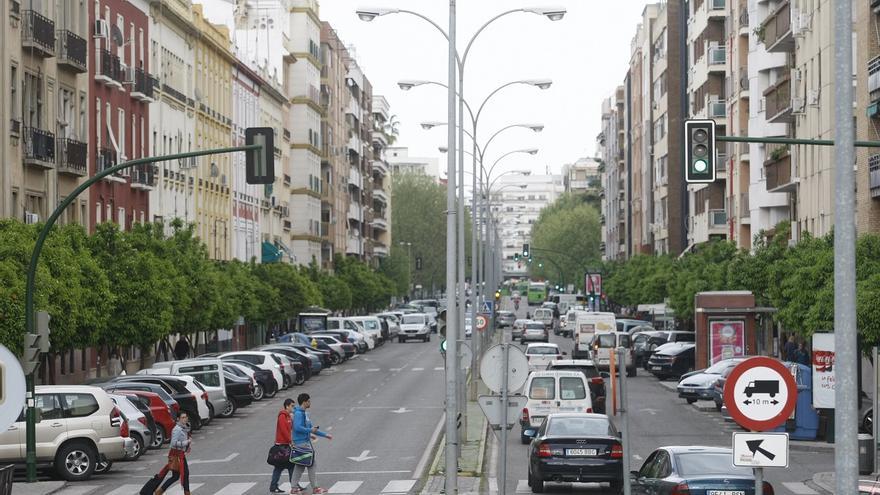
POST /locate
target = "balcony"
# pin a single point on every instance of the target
(355, 245)
(874, 175)
(106, 159)
(72, 51)
(355, 212)
(380, 249)
(777, 168)
(177, 95)
(39, 147)
(744, 208)
(708, 225)
(37, 34)
(110, 70)
(73, 157)
(143, 177)
(325, 229)
(775, 32)
(143, 86)
(381, 196)
(355, 178)
(380, 168)
(777, 108)
(717, 58)
(380, 224)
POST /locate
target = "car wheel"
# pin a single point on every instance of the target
(630, 372)
(258, 392)
(138, 447)
(300, 379)
(335, 359)
(76, 461)
(211, 412)
(691, 401)
(229, 410)
(103, 466)
(194, 421)
(158, 438)
(272, 394)
(285, 382)
(537, 485)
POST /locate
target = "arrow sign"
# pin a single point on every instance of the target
(401, 410)
(755, 447)
(365, 456)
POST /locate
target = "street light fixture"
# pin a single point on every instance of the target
(552, 13)
(368, 14)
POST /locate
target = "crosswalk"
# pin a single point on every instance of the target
(347, 487)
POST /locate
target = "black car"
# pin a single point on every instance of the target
(239, 391)
(360, 346)
(176, 388)
(292, 352)
(595, 378)
(673, 470)
(258, 392)
(575, 447)
(672, 360)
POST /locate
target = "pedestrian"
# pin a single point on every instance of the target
(283, 437)
(789, 351)
(181, 444)
(181, 348)
(803, 355)
(303, 434)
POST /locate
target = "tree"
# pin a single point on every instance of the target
(703, 270)
(397, 268)
(419, 217)
(565, 238)
(391, 130)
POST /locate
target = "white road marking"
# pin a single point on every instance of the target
(637, 457)
(374, 369)
(228, 458)
(236, 489)
(399, 486)
(401, 410)
(177, 490)
(351, 371)
(418, 369)
(440, 368)
(345, 487)
(798, 488)
(365, 456)
(80, 490)
(394, 370)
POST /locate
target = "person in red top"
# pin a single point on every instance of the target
(283, 436)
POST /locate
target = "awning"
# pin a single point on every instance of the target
(271, 254)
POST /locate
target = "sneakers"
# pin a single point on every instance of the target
(297, 491)
(318, 490)
(276, 490)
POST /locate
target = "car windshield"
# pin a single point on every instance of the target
(580, 427)
(702, 463)
(588, 371)
(606, 340)
(538, 326)
(542, 350)
(413, 320)
(719, 367)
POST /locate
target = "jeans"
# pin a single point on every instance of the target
(276, 475)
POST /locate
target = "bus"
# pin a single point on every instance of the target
(537, 293)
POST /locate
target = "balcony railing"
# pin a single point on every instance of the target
(73, 157)
(143, 85)
(717, 4)
(105, 159)
(874, 175)
(874, 78)
(778, 101)
(777, 166)
(717, 55)
(717, 109)
(39, 147)
(111, 70)
(177, 95)
(72, 51)
(38, 33)
(144, 176)
(775, 32)
(744, 208)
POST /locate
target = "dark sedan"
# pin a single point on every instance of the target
(695, 471)
(672, 360)
(575, 447)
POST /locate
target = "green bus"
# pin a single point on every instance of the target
(537, 293)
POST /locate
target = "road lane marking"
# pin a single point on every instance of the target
(81, 490)
(373, 369)
(399, 486)
(798, 488)
(351, 371)
(228, 458)
(236, 488)
(394, 370)
(345, 487)
(522, 486)
(418, 369)
(417, 472)
(439, 368)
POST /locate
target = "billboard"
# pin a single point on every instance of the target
(727, 339)
(823, 371)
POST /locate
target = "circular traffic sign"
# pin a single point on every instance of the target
(482, 322)
(760, 393)
(12, 388)
(492, 368)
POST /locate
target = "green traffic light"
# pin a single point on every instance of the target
(700, 166)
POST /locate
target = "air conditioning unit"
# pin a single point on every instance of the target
(31, 218)
(128, 74)
(797, 105)
(285, 211)
(813, 97)
(102, 29)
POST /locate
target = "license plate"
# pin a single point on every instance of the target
(537, 420)
(656, 368)
(603, 361)
(580, 452)
(725, 492)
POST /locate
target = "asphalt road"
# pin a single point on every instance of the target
(659, 418)
(381, 407)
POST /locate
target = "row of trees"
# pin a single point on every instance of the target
(798, 280)
(135, 288)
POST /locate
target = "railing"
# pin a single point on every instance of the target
(777, 27)
(777, 166)
(177, 95)
(38, 31)
(778, 98)
(717, 55)
(106, 158)
(73, 156)
(143, 83)
(15, 8)
(325, 229)
(874, 175)
(144, 175)
(72, 50)
(110, 66)
(717, 218)
(744, 17)
(874, 78)
(744, 209)
(39, 145)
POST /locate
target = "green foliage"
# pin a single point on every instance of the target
(703, 270)
(370, 290)
(565, 239)
(641, 280)
(419, 217)
(397, 268)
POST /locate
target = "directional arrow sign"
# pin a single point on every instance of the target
(401, 410)
(760, 449)
(365, 456)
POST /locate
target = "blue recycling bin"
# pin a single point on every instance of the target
(806, 419)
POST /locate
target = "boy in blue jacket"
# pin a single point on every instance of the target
(303, 433)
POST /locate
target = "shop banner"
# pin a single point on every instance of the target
(726, 340)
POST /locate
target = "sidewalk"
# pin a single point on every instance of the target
(38, 488)
(826, 481)
(470, 463)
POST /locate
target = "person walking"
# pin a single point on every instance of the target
(803, 355)
(181, 444)
(303, 433)
(283, 437)
(789, 351)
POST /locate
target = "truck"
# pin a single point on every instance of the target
(586, 325)
(769, 387)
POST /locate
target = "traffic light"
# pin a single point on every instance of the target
(260, 163)
(515, 256)
(497, 295)
(526, 252)
(418, 262)
(35, 344)
(43, 331)
(699, 151)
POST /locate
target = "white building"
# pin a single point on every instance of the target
(401, 162)
(245, 197)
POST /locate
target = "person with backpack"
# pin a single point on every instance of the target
(284, 439)
(303, 433)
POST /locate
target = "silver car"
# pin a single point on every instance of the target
(137, 426)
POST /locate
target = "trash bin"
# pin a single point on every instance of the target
(6, 479)
(866, 453)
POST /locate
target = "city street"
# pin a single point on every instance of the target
(660, 418)
(381, 408)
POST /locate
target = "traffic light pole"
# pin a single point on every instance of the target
(31, 436)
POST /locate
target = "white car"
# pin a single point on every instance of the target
(337, 323)
(264, 360)
(553, 391)
(540, 355)
(370, 325)
(414, 326)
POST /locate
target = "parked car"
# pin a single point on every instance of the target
(641, 343)
(540, 355)
(245, 373)
(393, 322)
(673, 470)
(195, 405)
(700, 385)
(145, 388)
(261, 359)
(596, 378)
(671, 360)
(575, 447)
(344, 323)
(77, 427)
(371, 326)
(629, 325)
(208, 372)
(517, 329)
(551, 391)
(335, 353)
(163, 414)
(323, 355)
(346, 349)
(143, 405)
(351, 337)
(414, 326)
(504, 319)
(311, 362)
(264, 382)
(292, 368)
(138, 427)
(718, 388)
(534, 331)
(606, 343)
(665, 337)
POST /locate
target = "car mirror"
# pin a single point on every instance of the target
(605, 374)
(529, 433)
(619, 434)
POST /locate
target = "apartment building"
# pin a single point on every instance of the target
(612, 151)
(582, 176)
(868, 98)
(707, 99)
(738, 164)
(120, 92)
(173, 115)
(302, 82)
(43, 135)
(358, 116)
(246, 230)
(276, 210)
(401, 162)
(382, 183)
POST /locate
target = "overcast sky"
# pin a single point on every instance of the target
(586, 55)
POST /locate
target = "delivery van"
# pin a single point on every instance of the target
(586, 325)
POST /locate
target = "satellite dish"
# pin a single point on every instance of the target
(116, 34)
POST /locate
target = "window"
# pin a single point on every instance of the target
(121, 217)
(13, 83)
(79, 405)
(120, 134)
(207, 374)
(543, 388)
(49, 406)
(571, 388)
(32, 111)
(97, 213)
(66, 112)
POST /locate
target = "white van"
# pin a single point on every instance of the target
(586, 325)
(343, 323)
(371, 326)
(606, 343)
(208, 371)
(553, 391)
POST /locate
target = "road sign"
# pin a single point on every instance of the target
(491, 368)
(491, 406)
(12, 388)
(593, 283)
(488, 307)
(760, 450)
(482, 322)
(760, 393)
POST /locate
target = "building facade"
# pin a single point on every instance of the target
(738, 166)
(611, 145)
(868, 98)
(381, 223)
(401, 162)
(246, 212)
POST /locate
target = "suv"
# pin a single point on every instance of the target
(78, 426)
